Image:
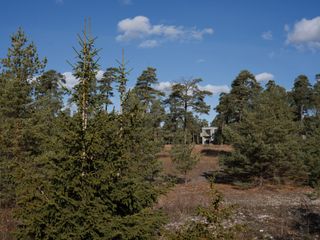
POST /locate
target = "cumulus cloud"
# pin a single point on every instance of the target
(140, 28)
(305, 34)
(265, 76)
(164, 86)
(214, 89)
(267, 35)
(71, 80)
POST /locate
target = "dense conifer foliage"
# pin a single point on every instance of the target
(273, 131)
(90, 175)
(266, 141)
(18, 140)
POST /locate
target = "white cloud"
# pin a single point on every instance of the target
(59, 1)
(149, 44)
(267, 35)
(215, 89)
(99, 74)
(265, 76)
(167, 87)
(305, 34)
(164, 86)
(140, 28)
(71, 81)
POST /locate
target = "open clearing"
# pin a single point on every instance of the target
(270, 212)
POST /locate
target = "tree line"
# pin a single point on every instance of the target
(274, 132)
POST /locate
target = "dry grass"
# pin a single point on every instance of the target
(183, 199)
(7, 223)
(271, 210)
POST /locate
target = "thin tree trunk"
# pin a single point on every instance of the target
(185, 122)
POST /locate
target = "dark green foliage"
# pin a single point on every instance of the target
(311, 150)
(211, 223)
(106, 195)
(16, 107)
(244, 90)
(316, 99)
(184, 158)
(85, 70)
(145, 86)
(22, 61)
(157, 117)
(174, 117)
(98, 178)
(47, 105)
(122, 79)
(186, 97)
(301, 95)
(105, 86)
(266, 141)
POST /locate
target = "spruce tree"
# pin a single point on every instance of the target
(122, 79)
(16, 106)
(86, 69)
(98, 178)
(184, 158)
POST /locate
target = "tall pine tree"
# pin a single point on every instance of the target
(19, 68)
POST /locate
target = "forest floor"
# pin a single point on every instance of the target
(268, 211)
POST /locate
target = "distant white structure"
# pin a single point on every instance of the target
(318, 77)
(207, 134)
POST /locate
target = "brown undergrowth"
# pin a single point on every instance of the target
(270, 212)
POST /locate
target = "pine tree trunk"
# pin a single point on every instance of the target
(301, 113)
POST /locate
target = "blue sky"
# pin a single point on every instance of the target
(210, 39)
